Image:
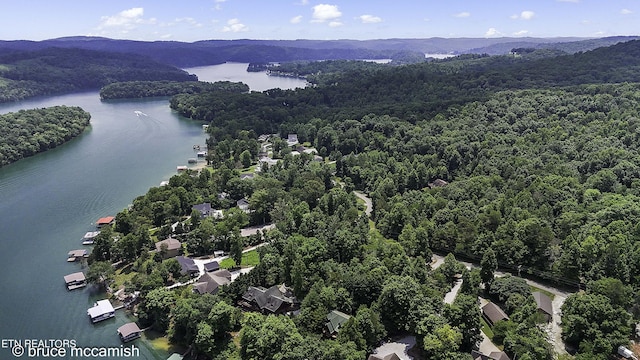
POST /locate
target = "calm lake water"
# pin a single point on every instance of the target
(48, 202)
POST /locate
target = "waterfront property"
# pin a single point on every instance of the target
(129, 331)
(101, 310)
(75, 281)
(107, 220)
(75, 255)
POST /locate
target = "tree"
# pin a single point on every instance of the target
(464, 314)
(156, 307)
(488, 265)
(592, 324)
(236, 249)
(245, 159)
(101, 273)
(443, 343)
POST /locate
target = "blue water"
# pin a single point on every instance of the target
(49, 201)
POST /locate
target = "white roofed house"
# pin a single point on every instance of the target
(292, 139)
(101, 310)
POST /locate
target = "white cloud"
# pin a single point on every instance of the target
(296, 19)
(234, 25)
(521, 33)
(370, 19)
(464, 14)
(492, 32)
(335, 23)
(325, 12)
(126, 19)
(626, 12)
(527, 15)
(304, 2)
(186, 20)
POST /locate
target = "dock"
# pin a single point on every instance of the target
(75, 255)
(75, 281)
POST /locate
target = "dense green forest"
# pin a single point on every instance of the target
(55, 70)
(28, 132)
(539, 159)
(142, 89)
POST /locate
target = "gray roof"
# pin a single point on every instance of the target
(211, 266)
(78, 253)
(499, 355)
(494, 313)
(187, 265)
(172, 244)
(392, 356)
(335, 320)
(270, 299)
(543, 302)
(79, 276)
(203, 208)
(210, 282)
(128, 329)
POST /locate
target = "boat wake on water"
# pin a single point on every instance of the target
(139, 113)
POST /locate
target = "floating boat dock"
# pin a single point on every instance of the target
(75, 281)
(75, 255)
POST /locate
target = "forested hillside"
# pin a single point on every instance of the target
(28, 132)
(142, 89)
(530, 165)
(56, 70)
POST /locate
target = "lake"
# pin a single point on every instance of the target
(49, 201)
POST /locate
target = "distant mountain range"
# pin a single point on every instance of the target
(211, 52)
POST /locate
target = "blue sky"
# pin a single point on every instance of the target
(192, 20)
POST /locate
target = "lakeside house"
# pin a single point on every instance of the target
(129, 331)
(210, 282)
(75, 281)
(187, 266)
(335, 319)
(75, 255)
(170, 246)
(492, 313)
(107, 220)
(544, 305)
(277, 299)
(101, 310)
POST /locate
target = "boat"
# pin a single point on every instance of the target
(101, 310)
(181, 168)
(192, 161)
(202, 154)
(89, 237)
(196, 147)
